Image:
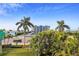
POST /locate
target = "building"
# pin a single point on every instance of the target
(40, 28)
(18, 40)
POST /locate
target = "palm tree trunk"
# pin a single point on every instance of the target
(4, 42)
(8, 41)
(24, 40)
(24, 37)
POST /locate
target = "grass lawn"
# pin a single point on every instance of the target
(17, 52)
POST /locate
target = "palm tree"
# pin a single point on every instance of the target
(25, 24)
(61, 26)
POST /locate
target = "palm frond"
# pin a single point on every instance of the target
(25, 23)
(58, 22)
(26, 28)
(66, 26)
(56, 27)
(18, 23)
(30, 24)
(19, 27)
(27, 19)
(62, 21)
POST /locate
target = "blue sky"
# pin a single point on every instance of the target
(40, 13)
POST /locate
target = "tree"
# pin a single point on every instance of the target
(25, 24)
(42, 43)
(61, 26)
(9, 36)
(55, 43)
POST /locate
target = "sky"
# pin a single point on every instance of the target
(40, 13)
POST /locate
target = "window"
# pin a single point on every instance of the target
(17, 41)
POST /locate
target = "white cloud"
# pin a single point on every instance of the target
(7, 25)
(4, 11)
(47, 8)
(14, 5)
(9, 6)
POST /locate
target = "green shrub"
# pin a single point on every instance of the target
(54, 43)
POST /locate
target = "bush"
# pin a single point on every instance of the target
(54, 43)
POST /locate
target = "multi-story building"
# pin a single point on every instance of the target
(40, 28)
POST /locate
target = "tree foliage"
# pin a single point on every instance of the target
(54, 43)
(61, 26)
(25, 24)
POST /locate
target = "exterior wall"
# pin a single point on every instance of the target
(11, 40)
